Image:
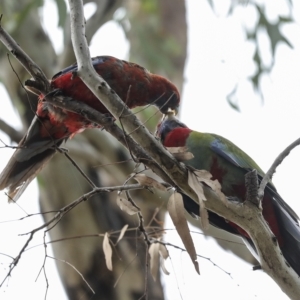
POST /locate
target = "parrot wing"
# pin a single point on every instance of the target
(239, 158)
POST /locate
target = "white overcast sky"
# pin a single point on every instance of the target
(218, 57)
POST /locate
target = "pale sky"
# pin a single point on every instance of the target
(218, 57)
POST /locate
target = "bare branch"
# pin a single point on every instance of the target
(59, 215)
(141, 221)
(80, 170)
(32, 68)
(76, 270)
(13, 134)
(275, 164)
(157, 241)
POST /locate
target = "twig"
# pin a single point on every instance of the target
(44, 265)
(21, 83)
(13, 134)
(7, 255)
(123, 272)
(145, 295)
(268, 176)
(141, 220)
(155, 229)
(77, 271)
(62, 212)
(29, 215)
(17, 258)
(32, 68)
(80, 170)
(147, 242)
(198, 255)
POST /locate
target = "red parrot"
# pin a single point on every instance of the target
(228, 164)
(52, 125)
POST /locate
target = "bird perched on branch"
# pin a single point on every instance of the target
(228, 164)
(52, 125)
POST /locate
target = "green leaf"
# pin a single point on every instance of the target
(232, 100)
(285, 19)
(276, 36)
(211, 4)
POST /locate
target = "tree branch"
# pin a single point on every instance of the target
(141, 142)
(268, 176)
(61, 213)
(13, 134)
(247, 216)
(251, 182)
(32, 68)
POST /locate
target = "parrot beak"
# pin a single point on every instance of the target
(168, 116)
(173, 112)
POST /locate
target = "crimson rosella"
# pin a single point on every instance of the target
(228, 164)
(52, 125)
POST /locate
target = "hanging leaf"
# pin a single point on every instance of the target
(123, 230)
(205, 176)
(154, 259)
(176, 211)
(127, 206)
(163, 267)
(232, 100)
(180, 153)
(107, 252)
(177, 149)
(164, 253)
(273, 30)
(149, 181)
(198, 189)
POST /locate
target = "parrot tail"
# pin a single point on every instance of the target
(290, 234)
(33, 152)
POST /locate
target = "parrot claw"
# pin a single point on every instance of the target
(55, 93)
